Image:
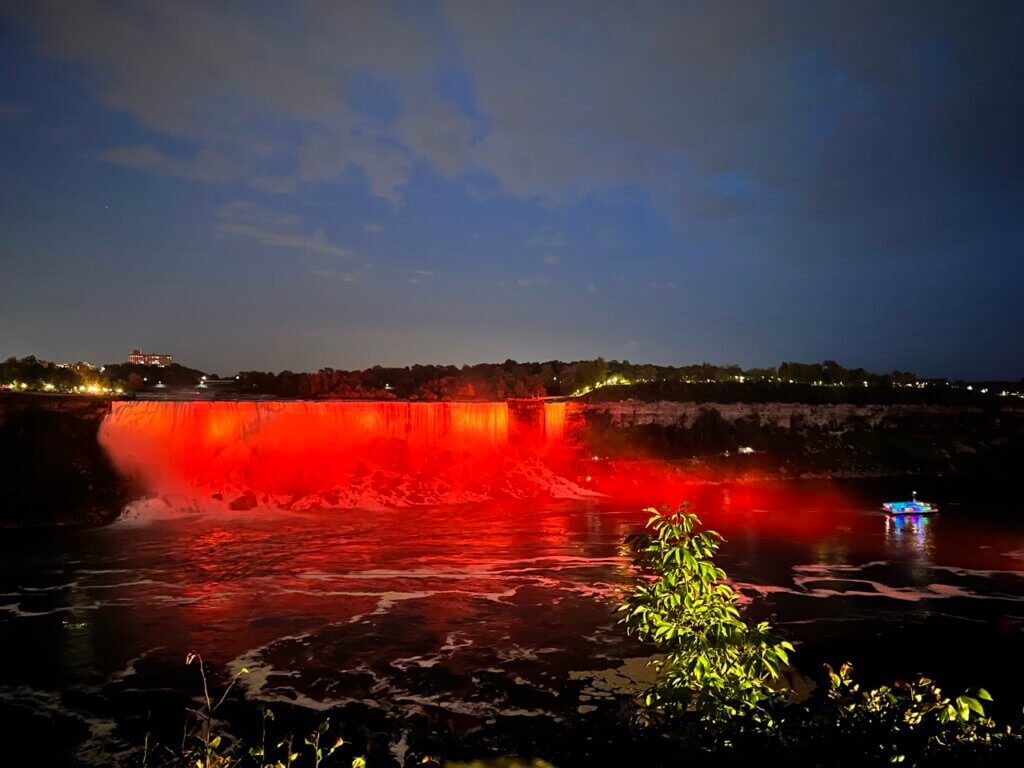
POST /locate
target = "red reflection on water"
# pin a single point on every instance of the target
(771, 505)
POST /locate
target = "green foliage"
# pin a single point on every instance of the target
(908, 722)
(205, 745)
(717, 683)
(717, 666)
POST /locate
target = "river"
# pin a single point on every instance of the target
(496, 615)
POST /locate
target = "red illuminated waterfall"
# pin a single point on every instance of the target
(349, 453)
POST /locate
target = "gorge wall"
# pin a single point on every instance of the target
(53, 470)
(796, 439)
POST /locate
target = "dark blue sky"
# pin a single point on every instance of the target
(270, 185)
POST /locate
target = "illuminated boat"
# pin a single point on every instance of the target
(912, 507)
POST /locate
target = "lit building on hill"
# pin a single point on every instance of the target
(147, 358)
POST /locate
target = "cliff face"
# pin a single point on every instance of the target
(52, 468)
(799, 439)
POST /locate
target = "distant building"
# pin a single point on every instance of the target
(146, 358)
(82, 368)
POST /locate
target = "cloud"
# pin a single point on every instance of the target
(846, 110)
(420, 275)
(552, 260)
(373, 226)
(248, 220)
(824, 112)
(662, 286)
(241, 88)
(591, 288)
(206, 165)
(344, 277)
(529, 282)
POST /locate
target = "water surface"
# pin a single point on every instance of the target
(498, 614)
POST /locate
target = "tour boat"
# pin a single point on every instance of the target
(912, 507)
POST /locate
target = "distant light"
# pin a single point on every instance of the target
(746, 449)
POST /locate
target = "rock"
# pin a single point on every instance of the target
(52, 468)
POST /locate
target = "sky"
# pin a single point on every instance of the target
(270, 185)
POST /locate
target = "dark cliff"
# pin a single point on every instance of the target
(52, 468)
(794, 439)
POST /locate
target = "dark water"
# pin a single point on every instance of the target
(498, 615)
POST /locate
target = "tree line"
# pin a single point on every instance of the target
(597, 378)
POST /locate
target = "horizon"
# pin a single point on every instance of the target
(436, 181)
(220, 374)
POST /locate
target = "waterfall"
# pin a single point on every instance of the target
(427, 451)
(554, 423)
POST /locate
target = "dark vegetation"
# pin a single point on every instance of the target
(718, 688)
(598, 379)
(42, 375)
(497, 381)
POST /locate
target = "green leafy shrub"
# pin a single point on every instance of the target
(717, 666)
(909, 722)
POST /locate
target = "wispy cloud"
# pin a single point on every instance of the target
(552, 260)
(244, 219)
(529, 282)
(662, 286)
(373, 226)
(344, 277)
(591, 288)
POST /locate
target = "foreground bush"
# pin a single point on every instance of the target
(717, 665)
(717, 688)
